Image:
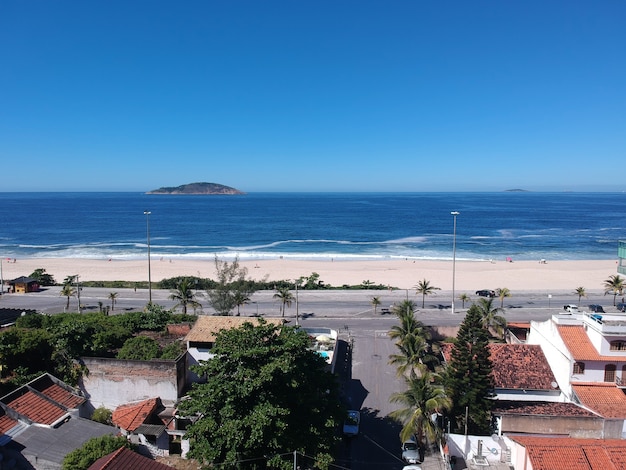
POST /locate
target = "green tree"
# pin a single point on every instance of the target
(468, 379)
(425, 288)
(490, 315)
(267, 396)
(67, 291)
(83, 457)
(411, 340)
(231, 283)
(240, 299)
(284, 295)
(184, 296)
(113, 297)
(139, 348)
(43, 277)
(614, 285)
(502, 294)
(375, 301)
(420, 401)
(102, 415)
(464, 298)
(580, 292)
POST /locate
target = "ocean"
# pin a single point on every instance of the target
(341, 226)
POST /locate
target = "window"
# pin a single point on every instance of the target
(579, 367)
(618, 345)
(609, 373)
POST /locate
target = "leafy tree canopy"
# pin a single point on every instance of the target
(232, 283)
(266, 395)
(139, 348)
(43, 277)
(92, 450)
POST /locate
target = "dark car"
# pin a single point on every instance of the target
(596, 308)
(486, 293)
(621, 307)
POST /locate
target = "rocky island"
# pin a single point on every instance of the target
(197, 188)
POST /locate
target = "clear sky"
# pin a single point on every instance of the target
(313, 95)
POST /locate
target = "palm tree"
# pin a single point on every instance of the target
(286, 298)
(424, 288)
(184, 295)
(490, 315)
(375, 301)
(502, 293)
(420, 401)
(240, 298)
(113, 297)
(580, 292)
(614, 285)
(464, 298)
(68, 291)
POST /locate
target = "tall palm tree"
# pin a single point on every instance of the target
(425, 288)
(580, 292)
(375, 301)
(464, 298)
(68, 291)
(614, 285)
(420, 401)
(503, 293)
(414, 356)
(491, 315)
(113, 297)
(409, 325)
(184, 295)
(286, 298)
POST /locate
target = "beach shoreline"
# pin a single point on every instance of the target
(469, 276)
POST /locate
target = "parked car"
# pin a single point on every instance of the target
(410, 451)
(486, 293)
(351, 424)
(621, 307)
(596, 308)
(571, 308)
(411, 467)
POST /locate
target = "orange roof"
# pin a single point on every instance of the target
(207, 326)
(581, 349)
(62, 396)
(123, 459)
(563, 453)
(604, 398)
(133, 415)
(36, 408)
(6, 424)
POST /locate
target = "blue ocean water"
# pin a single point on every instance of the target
(521, 225)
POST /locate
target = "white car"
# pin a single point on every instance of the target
(351, 424)
(411, 467)
(410, 451)
(571, 308)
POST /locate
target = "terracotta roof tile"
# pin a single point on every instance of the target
(516, 366)
(540, 408)
(577, 342)
(520, 366)
(62, 396)
(133, 415)
(36, 408)
(207, 326)
(604, 398)
(123, 459)
(7, 424)
(558, 453)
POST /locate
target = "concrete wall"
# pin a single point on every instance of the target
(113, 382)
(592, 428)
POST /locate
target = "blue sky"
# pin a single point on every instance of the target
(313, 95)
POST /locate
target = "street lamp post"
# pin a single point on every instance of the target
(147, 214)
(454, 214)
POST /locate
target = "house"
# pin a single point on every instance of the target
(23, 284)
(43, 421)
(145, 424)
(124, 459)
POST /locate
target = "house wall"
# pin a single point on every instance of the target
(593, 428)
(113, 382)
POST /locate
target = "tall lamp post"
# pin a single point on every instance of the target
(454, 214)
(147, 214)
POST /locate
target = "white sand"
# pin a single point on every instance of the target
(469, 275)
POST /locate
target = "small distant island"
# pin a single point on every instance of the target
(197, 188)
(516, 190)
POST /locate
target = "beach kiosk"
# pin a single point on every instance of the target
(24, 284)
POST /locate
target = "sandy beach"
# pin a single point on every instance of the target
(470, 276)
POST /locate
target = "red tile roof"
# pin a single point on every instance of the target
(577, 342)
(133, 415)
(540, 408)
(7, 424)
(516, 366)
(604, 398)
(36, 408)
(124, 459)
(62, 396)
(558, 453)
